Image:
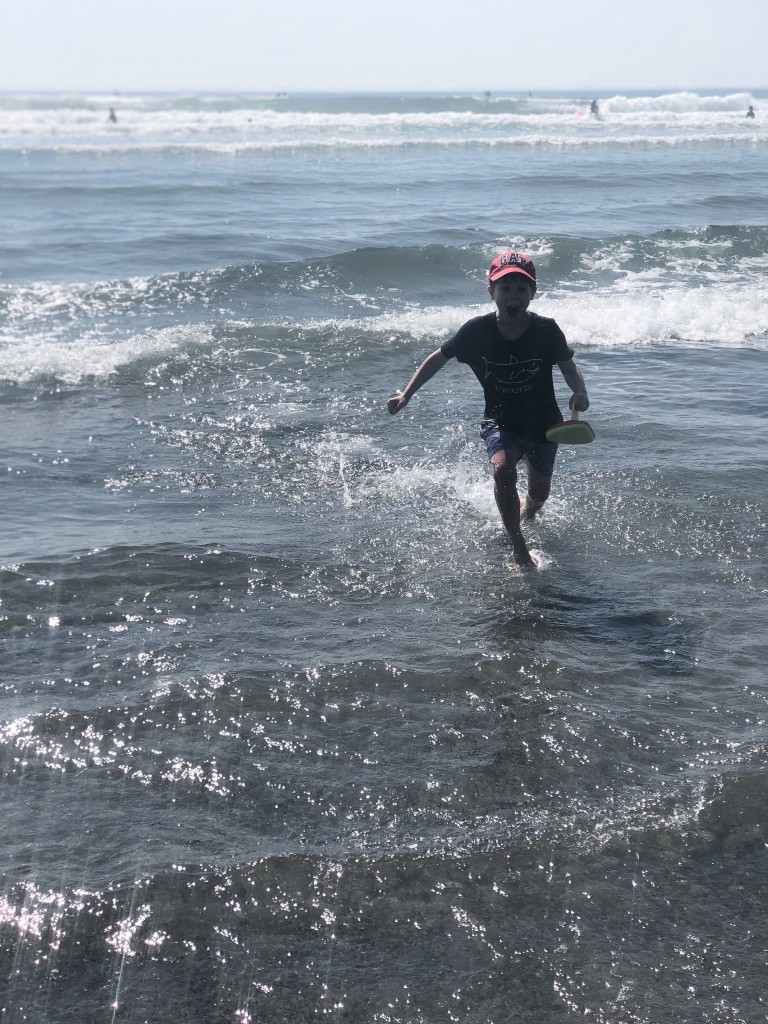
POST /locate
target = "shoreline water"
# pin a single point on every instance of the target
(284, 732)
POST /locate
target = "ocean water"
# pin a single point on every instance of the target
(285, 735)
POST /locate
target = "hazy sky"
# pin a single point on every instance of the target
(328, 45)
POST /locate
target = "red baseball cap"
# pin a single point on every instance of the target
(512, 263)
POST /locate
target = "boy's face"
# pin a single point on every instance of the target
(512, 295)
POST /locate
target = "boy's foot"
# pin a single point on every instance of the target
(522, 555)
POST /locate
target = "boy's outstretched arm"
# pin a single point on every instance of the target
(434, 362)
(579, 399)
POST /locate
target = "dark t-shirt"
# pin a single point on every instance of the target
(516, 375)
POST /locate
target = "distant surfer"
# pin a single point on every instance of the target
(112, 115)
(512, 353)
(751, 111)
(594, 108)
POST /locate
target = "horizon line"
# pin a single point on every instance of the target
(378, 92)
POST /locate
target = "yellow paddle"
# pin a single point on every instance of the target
(573, 431)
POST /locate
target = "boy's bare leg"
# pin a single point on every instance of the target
(538, 492)
(505, 489)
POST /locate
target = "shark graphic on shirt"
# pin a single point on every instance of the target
(512, 372)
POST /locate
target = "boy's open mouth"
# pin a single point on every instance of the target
(512, 311)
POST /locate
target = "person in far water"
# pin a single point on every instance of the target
(594, 109)
(512, 352)
(751, 111)
(112, 115)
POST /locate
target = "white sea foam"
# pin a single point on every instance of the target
(39, 357)
(677, 103)
(646, 312)
(142, 124)
(653, 314)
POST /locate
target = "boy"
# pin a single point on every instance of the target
(512, 352)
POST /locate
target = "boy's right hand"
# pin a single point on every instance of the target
(396, 403)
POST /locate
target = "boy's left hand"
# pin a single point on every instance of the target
(396, 403)
(578, 400)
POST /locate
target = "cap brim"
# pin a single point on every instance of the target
(509, 270)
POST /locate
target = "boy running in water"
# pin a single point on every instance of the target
(512, 353)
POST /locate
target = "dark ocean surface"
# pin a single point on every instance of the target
(285, 735)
